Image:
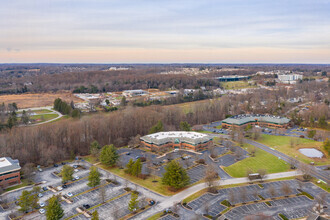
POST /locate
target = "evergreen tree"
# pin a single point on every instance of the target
(67, 172)
(25, 117)
(137, 168)
(133, 204)
(157, 127)
(24, 201)
(94, 177)
(75, 113)
(109, 155)
(95, 215)
(94, 148)
(129, 166)
(175, 176)
(123, 101)
(185, 126)
(54, 210)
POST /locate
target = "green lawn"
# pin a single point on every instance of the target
(237, 85)
(148, 183)
(44, 117)
(261, 160)
(156, 216)
(42, 111)
(24, 183)
(283, 144)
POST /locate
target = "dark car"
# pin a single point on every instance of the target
(64, 186)
(151, 202)
(128, 153)
(44, 188)
(63, 163)
(86, 206)
(55, 165)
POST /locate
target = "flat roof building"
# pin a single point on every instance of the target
(257, 119)
(132, 93)
(176, 139)
(9, 172)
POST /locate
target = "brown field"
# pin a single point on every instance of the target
(30, 100)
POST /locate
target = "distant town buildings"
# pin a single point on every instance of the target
(133, 93)
(260, 120)
(9, 172)
(290, 78)
(232, 78)
(177, 140)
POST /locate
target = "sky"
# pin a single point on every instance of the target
(165, 31)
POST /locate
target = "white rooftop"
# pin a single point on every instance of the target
(4, 162)
(176, 134)
(173, 136)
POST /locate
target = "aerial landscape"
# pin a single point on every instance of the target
(171, 110)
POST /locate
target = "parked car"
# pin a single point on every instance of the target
(86, 206)
(69, 194)
(128, 153)
(64, 186)
(75, 166)
(39, 169)
(40, 195)
(42, 205)
(77, 177)
(63, 163)
(44, 188)
(55, 165)
(59, 188)
(42, 211)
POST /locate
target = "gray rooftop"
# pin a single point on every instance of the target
(243, 119)
(161, 138)
(7, 165)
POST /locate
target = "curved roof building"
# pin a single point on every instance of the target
(257, 119)
(177, 139)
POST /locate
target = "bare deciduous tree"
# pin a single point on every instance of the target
(286, 189)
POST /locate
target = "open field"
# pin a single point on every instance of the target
(237, 85)
(29, 100)
(283, 144)
(261, 160)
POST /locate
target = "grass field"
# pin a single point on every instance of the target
(148, 183)
(237, 85)
(283, 144)
(29, 100)
(261, 160)
(44, 117)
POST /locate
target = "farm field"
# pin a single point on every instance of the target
(31, 100)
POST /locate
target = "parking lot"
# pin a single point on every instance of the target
(211, 203)
(81, 194)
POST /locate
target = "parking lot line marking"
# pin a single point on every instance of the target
(98, 205)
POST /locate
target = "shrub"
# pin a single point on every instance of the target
(305, 194)
(226, 203)
(201, 161)
(283, 216)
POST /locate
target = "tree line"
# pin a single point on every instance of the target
(46, 144)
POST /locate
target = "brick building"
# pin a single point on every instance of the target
(9, 172)
(176, 140)
(261, 120)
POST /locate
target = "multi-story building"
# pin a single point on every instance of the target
(261, 120)
(290, 78)
(9, 172)
(176, 140)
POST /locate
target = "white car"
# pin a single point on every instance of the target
(40, 195)
(42, 211)
(75, 170)
(59, 188)
(69, 194)
(42, 205)
(77, 177)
